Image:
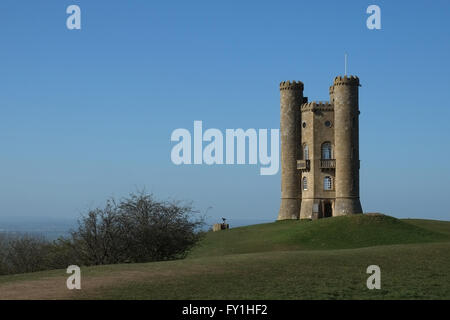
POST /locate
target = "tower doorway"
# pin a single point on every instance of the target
(327, 209)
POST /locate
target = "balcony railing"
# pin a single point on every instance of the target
(327, 163)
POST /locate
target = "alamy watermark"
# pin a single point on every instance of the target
(374, 20)
(374, 281)
(74, 20)
(74, 281)
(233, 150)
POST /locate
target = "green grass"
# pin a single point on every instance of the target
(337, 233)
(324, 259)
(432, 225)
(418, 271)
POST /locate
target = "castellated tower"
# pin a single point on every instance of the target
(320, 152)
(291, 99)
(346, 135)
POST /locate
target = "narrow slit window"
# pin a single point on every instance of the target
(326, 151)
(327, 183)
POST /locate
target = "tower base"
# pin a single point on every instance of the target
(345, 206)
(289, 209)
(317, 208)
(306, 211)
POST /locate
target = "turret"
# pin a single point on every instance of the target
(291, 98)
(344, 93)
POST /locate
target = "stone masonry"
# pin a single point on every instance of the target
(319, 151)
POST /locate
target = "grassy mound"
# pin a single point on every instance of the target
(336, 233)
(433, 225)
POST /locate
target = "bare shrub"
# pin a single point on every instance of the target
(135, 229)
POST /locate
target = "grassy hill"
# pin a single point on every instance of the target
(432, 225)
(324, 259)
(337, 233)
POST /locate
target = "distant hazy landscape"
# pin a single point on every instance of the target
(52, 228)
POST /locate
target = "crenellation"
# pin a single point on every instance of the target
(317, 106)
(346, 80)
(288, 85)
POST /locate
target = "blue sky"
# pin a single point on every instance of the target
(87, 114)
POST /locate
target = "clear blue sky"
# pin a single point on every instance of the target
(88, 114)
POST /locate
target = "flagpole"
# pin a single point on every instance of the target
(345, 63)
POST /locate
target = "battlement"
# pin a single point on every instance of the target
(288, 85)
(317, 105)
(346, 80)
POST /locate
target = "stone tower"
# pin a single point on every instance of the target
(346, 136)
(320, 152)
(291, 98)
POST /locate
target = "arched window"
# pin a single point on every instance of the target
(327, 183)
(327, 151)
(305, 152)
(305, 183)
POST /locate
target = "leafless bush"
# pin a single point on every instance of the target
(27, 254)
(3, 250)
(135, 229)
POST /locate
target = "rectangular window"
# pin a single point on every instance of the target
(327, 183)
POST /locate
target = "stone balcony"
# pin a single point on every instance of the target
(303, 165)
(327, 163)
